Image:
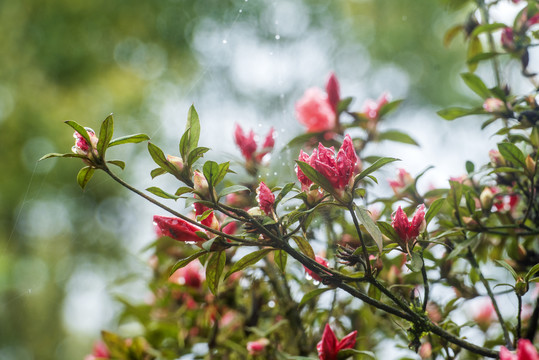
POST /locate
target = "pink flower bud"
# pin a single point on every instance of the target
(257, 347)
(371, 108)
(496, 159)
(210, 220)
(484, 314)
(312, 274)
(425, 350)
(100, 351)
(176, 161)
(329, 346)
(525, 351)
(201, 184)
(81, 146)
(404, 179)
(507, 39)
(247, 144)
(315, 112)
(409, 230)
(177, 229)
(333, 91)
(265, 198)
(493, 105)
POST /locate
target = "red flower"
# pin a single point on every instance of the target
(265, 198)
(408, 230)
(315, 111)
(338, 170)
(248, 145)
(525, 351)
(329, 347)
(321, 261)
(176, 228)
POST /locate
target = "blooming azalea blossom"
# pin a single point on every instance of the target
(339, 169)
(177, 228)
(525, 351)
(408, 230)
(329, 347)
(316, 111)
(265, 198)
(249, 147)
(311, 273)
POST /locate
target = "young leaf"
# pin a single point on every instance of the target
(512, 153)
(470, 167)
(312, 294)
(160, 159)
(377, 164)
(118, 163)
(161, 193)
(343, 104)
(233, 189)
(280, 257)
(286, 189)
(183, 190)
(453, 113)
(211, 171)
(304, 246)
(214, 269)
(370, 225)
(81, 130)
(129, 139)
(196, 154)
(156, 172)
(397, 136)
(53, 155)
(417, 262)
(389, 107)
(105, 135)
(247, 260)
(507, 267)
(223, 169)
(475, 84)
(184, 262)
(487, 28)
(193, 123)
(434, 209)
(388, 231)
(84, 175)
(530, 273)
(474, 48)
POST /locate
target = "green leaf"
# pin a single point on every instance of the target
(223, 170)
(389, 108)
(312, 294)
(470, 167)
(343, 104)
(214, 269)
(417, 262)
(346, 353)
(118, 163)
(487, 28)
(304, 246)
(451, 33)
(248, 260)
(505, 169)
(161, 193)
(160, 159)
(80, 129)
(397, 136)
(434, 209)
(470, 201)
(530, 273)
(156, 172)
(475, 84)
(84, 175)
(54, 155)
(129, 139)
(377, 164)
(512, 153)
(286, 189)
(193, 123)
(508, 268)
(105, 135)
(388, 231)
(534, 137)
(453, 113)
(196, 154)
(280, 257)
(455, 194)
(115, 344)
(474, 60)
(474, 48)
(184, 262)
(370, 225)
(233, 189)
(211, 171)
(183, 190)
(315, 176)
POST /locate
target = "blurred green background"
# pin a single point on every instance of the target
(64, 252)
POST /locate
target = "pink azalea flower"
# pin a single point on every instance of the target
(315, 111)
(257, 347)
(484, 315)
(176, 228)
(371, 108)
(312, 274)
(339, 169)
(249, 147)
(492, 105)
(408, 230)
(265, 198)
(329, 346)
(525, 351)
(404, 179)
(81, 146)
(100, 351)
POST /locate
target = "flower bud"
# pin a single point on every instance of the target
(81, 146)
(176, 161)
(507, 39)
(255, 211)
(493, 105)
(521, 287)
(425, 351)
(257, 347)
(265, 198)
(496, 159)
(201, 185)
(332, 89)
(486, 198)
(530, 165)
